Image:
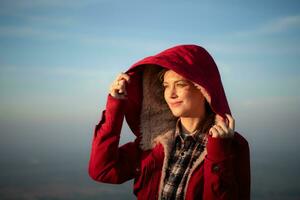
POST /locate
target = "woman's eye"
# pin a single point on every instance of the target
(181, 84)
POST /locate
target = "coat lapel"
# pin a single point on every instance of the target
(167, 141)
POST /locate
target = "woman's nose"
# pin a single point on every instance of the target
(173, 92)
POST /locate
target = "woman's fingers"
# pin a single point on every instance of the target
(231, 121)
(123, 76)
(122, 88)
(223, 125)
(217, 132)
(115, 93)
(213, 132)
(223, 128)
(118, 87)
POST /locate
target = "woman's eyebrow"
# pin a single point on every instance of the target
(183, 80)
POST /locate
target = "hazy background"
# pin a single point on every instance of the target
(58, 58)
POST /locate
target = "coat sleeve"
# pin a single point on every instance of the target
(227, 170)
(110, 163)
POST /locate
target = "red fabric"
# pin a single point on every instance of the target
(225, 172)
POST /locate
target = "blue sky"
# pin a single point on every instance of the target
(58, 58)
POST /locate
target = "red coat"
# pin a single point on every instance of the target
(222, 171)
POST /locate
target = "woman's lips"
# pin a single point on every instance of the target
(175, 104)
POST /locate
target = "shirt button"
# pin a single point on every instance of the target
(215, 168)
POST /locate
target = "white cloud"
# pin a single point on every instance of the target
(278, 101)
(144, 44)
(18, 31)
(279, 25)
(64, 71)
(28, 4)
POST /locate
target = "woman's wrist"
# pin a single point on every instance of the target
(219, 149)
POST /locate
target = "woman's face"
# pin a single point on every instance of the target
(182, 97)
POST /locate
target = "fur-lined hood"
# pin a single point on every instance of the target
(147, 113)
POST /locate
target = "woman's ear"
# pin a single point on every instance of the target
(203, 91)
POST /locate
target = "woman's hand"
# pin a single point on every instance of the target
(118, 87)
(223, 129)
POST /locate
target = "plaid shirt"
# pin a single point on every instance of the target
(186, 150)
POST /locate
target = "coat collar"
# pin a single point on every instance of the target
(167, 140)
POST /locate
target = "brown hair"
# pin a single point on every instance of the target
(209, 120)
(161, 74)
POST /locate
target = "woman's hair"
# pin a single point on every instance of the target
(161, 74)
(209, 120)
(209, 114)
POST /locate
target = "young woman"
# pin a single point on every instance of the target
(186, 146)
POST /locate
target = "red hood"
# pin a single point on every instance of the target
(190, 61)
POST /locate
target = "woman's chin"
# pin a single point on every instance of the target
(177, 113)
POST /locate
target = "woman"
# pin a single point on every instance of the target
(186, 146)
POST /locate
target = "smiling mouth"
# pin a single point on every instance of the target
(175, 104)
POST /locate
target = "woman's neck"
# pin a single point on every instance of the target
(190, 125)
